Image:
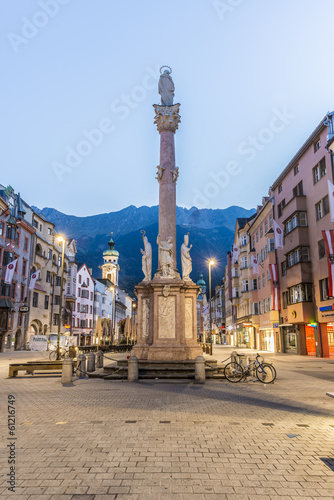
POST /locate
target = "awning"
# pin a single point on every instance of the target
(7, 303)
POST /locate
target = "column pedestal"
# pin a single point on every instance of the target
(167, 321)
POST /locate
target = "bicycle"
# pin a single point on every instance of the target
(265, 373)
(64, 353)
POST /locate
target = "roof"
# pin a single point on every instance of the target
(111, 250)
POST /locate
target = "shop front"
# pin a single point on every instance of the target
(290, 334)
(330, 334)
(267, 339)
(244, 334)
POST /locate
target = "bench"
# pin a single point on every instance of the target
(32, 366)
(330, 394)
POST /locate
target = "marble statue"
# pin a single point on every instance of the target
(186, 261)
(166, 257)
(166, 87)
(175, 174)
(160, 171)
(146, 258)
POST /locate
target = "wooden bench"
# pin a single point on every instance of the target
(32, 366)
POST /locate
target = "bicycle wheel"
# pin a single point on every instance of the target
(53, 355)
(233, 372)
(266, 373)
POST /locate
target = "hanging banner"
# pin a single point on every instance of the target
(235, 254)
(33, 279)
(275, 287)
(254, 264)
(38, 343)
(328, 237)
(278, 235)
(10, 269)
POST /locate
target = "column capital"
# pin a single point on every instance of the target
(167, 117)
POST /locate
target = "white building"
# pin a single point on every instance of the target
(83, 315)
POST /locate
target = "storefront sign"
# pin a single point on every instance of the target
(24, 309)
(275, 325)
(247, 323)
(326, 308)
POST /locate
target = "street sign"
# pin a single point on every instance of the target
(24, 309)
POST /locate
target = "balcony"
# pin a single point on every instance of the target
(296, 203)
(297, 237)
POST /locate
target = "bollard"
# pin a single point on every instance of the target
(81, 366)
(99, 360)
(67, 371)
(91, 362)
(132, 369)
(199, 370)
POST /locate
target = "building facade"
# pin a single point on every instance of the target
(83, 315)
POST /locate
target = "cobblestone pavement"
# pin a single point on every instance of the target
(96, 439)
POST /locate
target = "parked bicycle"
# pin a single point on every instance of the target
(265, 373)
(64, 353)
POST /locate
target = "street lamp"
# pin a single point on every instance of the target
(61, 240)
(211, 263)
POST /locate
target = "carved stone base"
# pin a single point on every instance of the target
(167, 320)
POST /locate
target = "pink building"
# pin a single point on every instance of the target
(82, 317)
(302, 210)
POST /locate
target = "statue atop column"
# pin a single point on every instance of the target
(186, 261)
(146, 258)
(166, 87)
(166, 257)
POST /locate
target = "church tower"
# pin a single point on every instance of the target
(110, 268)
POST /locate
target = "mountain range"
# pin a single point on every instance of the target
(211, 234)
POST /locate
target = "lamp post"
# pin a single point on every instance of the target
(211, 263)
(61, 240)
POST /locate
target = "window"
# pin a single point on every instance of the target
(245, 286)
(317, 145)
(301, 254)
(263, 279)
(1, 228)
(91, 295)
(85, 294)
(265, 227)
(323, 286)
(280, 207)
(57, 300)
(319, 171)
(7, 258)
(79, 292)
(261, 231)
(84, 309)
(50, 254)
(257, 236)
(298, 190)
(46, 302)
(11, 232)
(80, 278)
(255, 308)
(103, 300)
(271, 245)
(35, 299)
(35, 223)
(90, 309)
(300, 293)
(17, 238)
(87, 281)
(78, 307)
(298, 219)
(259, 282)
(56, 319)
(268, 275)
(48, 277)
(58, 280)
(244, 263)
(322, 208)
(254, 284)
(59, 260)
(284, 268)
(23, 289)
(24, 267)
(270, 220)
(285, 300)
(253, 241)
(321, 249)
(49, 230)
(280, 188)
(296, 169)
(26, 244)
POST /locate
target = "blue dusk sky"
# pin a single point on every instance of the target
(79, 78)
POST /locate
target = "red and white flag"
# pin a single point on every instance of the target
(278, 235)
(328, 237)
(235, 254)
(275, 287)
(33, 279)
(10, 270)
(254, 264)
(331, 199)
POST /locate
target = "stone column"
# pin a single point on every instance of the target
(167, 119)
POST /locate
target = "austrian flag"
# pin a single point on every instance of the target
(328, 237)
(275, 287)
(10, 269)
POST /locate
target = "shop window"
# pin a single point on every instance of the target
(321, 249)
